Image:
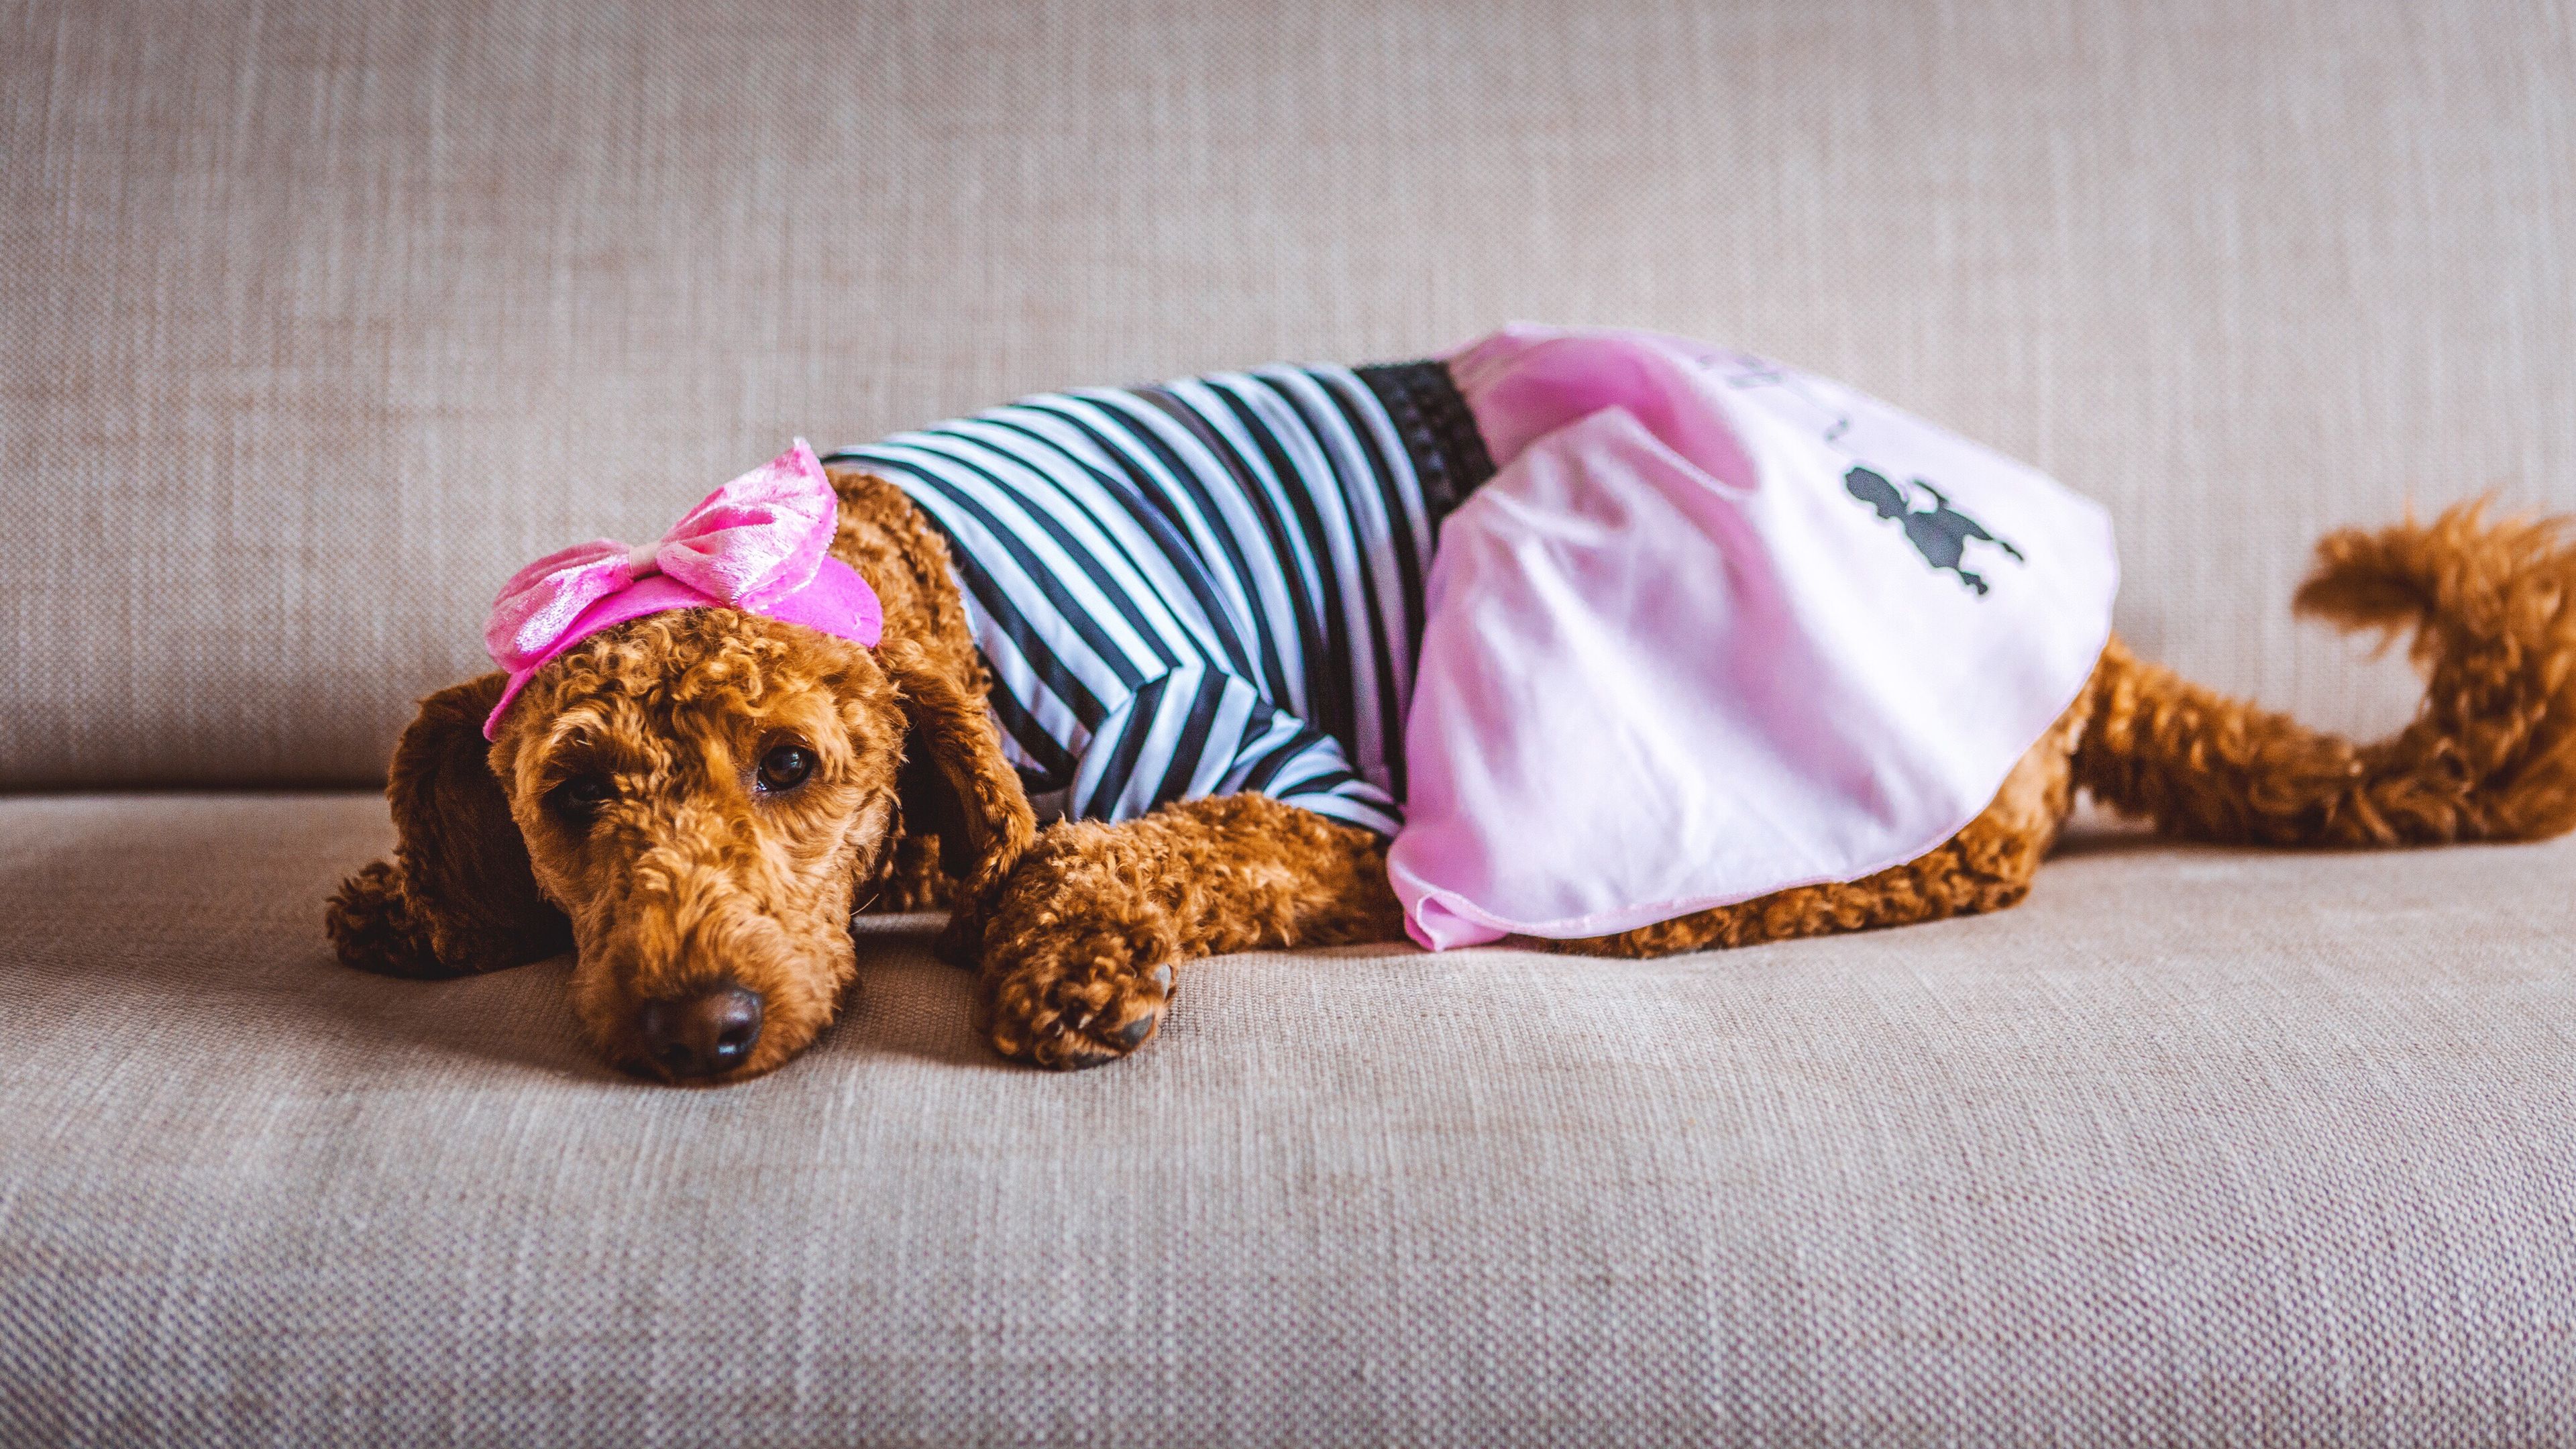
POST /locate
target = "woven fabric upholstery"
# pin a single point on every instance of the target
(2197, 1147)
(303, 298)
(308, 304)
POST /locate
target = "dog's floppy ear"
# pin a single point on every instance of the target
(956, 784)
(458, 896)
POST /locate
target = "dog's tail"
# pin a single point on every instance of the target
(2491, 755)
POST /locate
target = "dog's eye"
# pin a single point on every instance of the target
(582, 794)
(785, 767)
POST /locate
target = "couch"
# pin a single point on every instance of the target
(321, 317)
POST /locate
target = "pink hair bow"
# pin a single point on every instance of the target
(757, 544)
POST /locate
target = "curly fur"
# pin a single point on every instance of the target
(1078, 956)
(688, 875)
(2491, 755)
(457, 898)
(1076, 968)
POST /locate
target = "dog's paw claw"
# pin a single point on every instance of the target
(1091, 1040)
(1074, 1009)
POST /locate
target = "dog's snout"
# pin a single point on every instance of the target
(704, 1035)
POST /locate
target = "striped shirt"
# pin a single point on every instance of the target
(1209, 586)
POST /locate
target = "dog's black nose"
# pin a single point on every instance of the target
(704, 1035)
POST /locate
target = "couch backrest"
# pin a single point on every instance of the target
(320, 318)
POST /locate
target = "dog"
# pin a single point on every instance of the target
(696, 802)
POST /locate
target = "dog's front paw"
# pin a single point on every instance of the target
(1074, 995)
(372, 928)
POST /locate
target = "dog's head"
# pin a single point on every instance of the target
(695, 802)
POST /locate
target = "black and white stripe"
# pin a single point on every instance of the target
(1209, 586)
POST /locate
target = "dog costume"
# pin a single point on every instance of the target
(1697, 627)
(1718, 629)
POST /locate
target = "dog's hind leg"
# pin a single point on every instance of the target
(1985, 867)
(2491, 754)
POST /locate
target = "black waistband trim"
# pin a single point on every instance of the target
(1439, 432)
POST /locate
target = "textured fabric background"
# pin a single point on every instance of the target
(309, 305)
(304, 305)
(2195, 1148)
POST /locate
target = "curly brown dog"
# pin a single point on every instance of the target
(696, 802)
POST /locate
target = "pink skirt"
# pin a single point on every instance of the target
(1717, 628)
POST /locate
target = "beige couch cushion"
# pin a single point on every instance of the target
(321, 318)
(2196, 1147)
